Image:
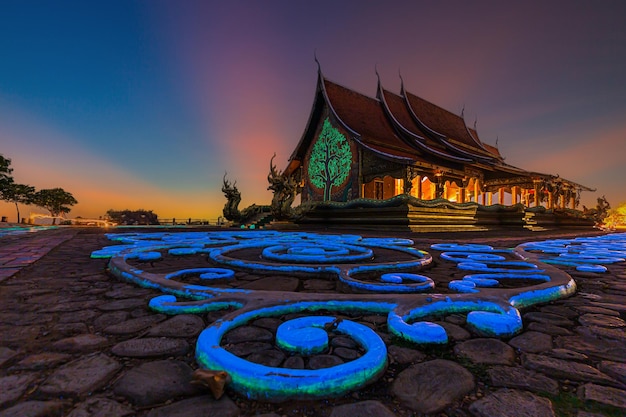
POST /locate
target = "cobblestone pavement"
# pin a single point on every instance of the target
(76, 342)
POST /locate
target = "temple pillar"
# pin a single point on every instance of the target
(501, 196)
(572, 200)
(536, 189)
(440, 188)
(550, 200)
(513, 196)
(462, 195)
(418, 187)
(489, 198)
(477, 191)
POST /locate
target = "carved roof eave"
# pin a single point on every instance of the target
(394, 158)
(478, 141)
(483, 158)
(417, 140)
(332, 109)
(566, 182)
(533, 177)
(439, 136)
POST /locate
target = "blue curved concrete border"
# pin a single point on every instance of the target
(408, 299)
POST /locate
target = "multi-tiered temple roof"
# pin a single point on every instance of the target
(406, 130)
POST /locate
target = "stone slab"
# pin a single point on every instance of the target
(43, 360)
(80, 343)
(520, 378)
(532, 342)
(362, 409)
(560, 368)
(123, 304)
(134, 325)
(80, 377)
(273, 284)
(101, 407)
(602, 320)
(246, 334)
(12, 387)
(184, 325)
(204, 405)
(603, 395)
(486, 351)
(616, 370)
(6, 354)
(404, 355)
(512, 403)
(548, 318)
(548, 329)
(35, 409)
(432, 386)
(151, 347)
(156, 382)
(107, 319)
(593, 347)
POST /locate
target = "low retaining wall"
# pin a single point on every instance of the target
(402, 213)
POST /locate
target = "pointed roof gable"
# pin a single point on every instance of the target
(365, 117)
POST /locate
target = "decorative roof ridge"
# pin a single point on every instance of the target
(439, 136)
(322, 85)
(417, 139)
(421, 124)
(443, 137)
(385, 154)
(478, 141)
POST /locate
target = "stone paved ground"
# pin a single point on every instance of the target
(76, 342)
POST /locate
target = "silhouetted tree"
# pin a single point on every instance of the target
(55, 200)
(18, 194)
(5, 172)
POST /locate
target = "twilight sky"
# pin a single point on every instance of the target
(145, 104)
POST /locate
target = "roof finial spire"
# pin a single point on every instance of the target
(497, 137)
(377, 74)
(319, 67)
(401, 82)
(475, 121)
(463, 111)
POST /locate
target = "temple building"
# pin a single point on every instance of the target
(360, 147)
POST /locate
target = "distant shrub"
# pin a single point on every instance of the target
(133, 217)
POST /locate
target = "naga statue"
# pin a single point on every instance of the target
(285, 189)
(231, 208)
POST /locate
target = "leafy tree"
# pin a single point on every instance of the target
(5, 172)
(55, 200)
(18, 194)
(329, 164)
